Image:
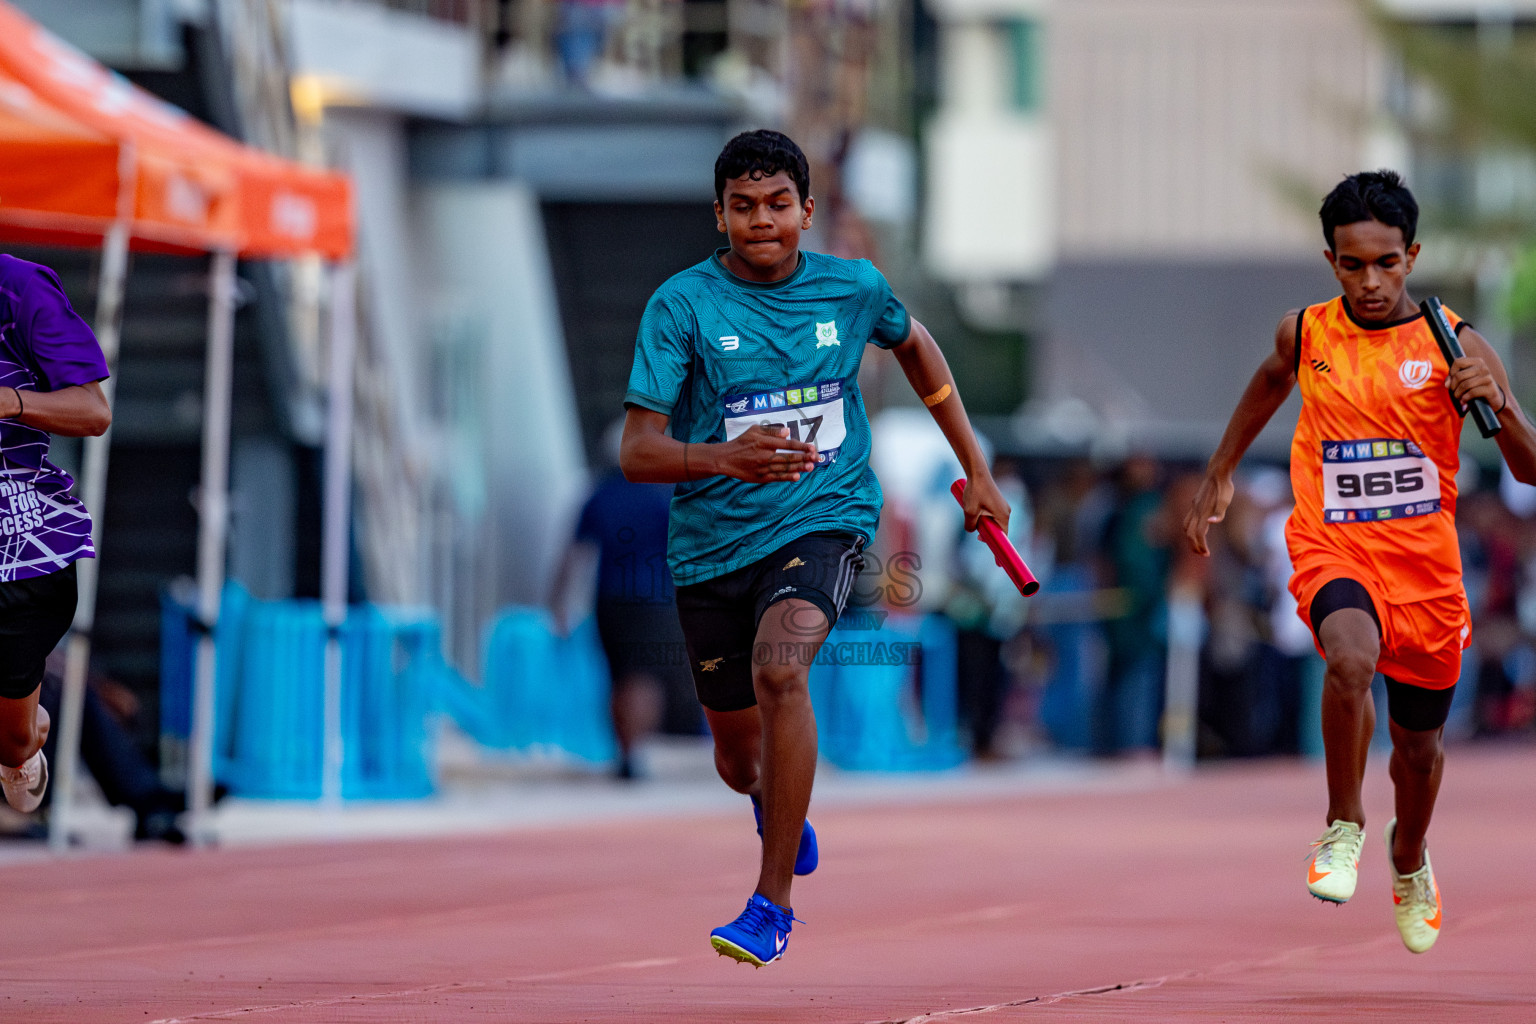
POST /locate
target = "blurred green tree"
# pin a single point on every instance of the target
(1483, 78)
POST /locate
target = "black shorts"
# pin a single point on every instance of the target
(720, 616)
(639, 637)
(35, 613)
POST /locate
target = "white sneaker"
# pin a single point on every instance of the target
(24, 786)
(1416, 900)
(1333, 870)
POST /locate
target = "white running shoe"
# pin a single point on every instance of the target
(1416, 900)
(1333, 870)
(24, 786)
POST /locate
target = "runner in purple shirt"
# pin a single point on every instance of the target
(50, 374)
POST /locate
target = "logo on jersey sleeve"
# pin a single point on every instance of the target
(1414, 373)
(826, 335)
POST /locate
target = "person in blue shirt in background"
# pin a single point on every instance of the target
(745, 394)
(623, 528)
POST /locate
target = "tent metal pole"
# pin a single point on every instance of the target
(93, 492)
(213, 527)
(336, 535)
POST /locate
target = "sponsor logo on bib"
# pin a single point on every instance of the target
(812, 413)
(1378, 479)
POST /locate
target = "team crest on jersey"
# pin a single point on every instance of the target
(1414, 373)
(826, 334)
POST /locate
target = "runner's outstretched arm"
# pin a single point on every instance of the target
(927, 371)
(1480, 374)
(649, 455)
(1266, 392)
(77, 411)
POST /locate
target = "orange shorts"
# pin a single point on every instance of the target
(1421, 642)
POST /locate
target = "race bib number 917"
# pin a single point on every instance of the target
(1379, 479)
(812, 413)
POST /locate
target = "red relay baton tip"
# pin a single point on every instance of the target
(1003, 550)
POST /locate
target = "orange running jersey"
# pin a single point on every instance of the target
(1374, 459)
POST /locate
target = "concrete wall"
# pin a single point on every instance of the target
(366, 53)
(128, 34)
(1173, 118)
(492, 293)
(1159, 353)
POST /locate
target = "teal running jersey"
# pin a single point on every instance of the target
(718, 353)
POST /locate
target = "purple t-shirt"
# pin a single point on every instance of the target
(44, 346)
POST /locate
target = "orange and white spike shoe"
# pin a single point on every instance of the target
(1335, 866)
(24, 786)
(1416, 900)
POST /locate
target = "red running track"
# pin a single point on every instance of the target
(1158, 901)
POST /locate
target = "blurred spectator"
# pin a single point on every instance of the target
(1491, 539)
(1074, 505)
(1251, 688)
(988, 612)
(582, 29)
(1288, 657)
(623, 528)
(1065, 647)
(1135, 556)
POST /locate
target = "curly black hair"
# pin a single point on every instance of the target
(1371, 195)
(762, 154)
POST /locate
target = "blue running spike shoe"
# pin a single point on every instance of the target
(759, 936)
(808, 856)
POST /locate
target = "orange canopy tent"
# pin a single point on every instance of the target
(41, 143)
(89, 158)
(192, 187)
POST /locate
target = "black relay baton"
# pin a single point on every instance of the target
(1445, 337)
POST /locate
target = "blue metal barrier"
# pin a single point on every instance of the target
(543, 693)
(1066, 706)
(270, 694)
(178, 658)
(886, 699)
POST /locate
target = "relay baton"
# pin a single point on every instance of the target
(1003, 550)
(1445, 337)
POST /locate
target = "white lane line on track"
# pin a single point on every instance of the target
(506, 910)
(1232, 967)
(939, 1015)
(452, 986)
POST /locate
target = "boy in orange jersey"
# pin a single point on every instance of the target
(1373, 535)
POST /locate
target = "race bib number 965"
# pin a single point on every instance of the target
(812, 413)
(1377, 479)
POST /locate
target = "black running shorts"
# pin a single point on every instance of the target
(720, 616)
(35, 613)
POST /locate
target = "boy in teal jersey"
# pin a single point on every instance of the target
(752, 358)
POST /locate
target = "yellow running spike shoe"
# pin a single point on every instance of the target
(1417, 901)
(1333, 870)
